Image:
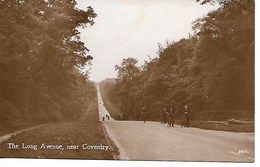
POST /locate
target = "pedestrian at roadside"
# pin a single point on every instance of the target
(144, 114)
(161, 116)
(168, 118)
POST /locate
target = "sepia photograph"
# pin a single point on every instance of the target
(128, 80)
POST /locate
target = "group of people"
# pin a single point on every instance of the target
(168, 116)
(107, 116)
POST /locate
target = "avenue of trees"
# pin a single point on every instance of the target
(212, 71)
(41, 60)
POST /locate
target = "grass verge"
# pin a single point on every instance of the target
(221, 127)
(70, 135)
(9, 127)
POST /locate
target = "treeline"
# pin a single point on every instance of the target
(41, 60)
(212, 72)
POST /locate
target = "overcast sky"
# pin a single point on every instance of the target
(133, 28)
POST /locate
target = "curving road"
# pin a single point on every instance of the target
(153, 141)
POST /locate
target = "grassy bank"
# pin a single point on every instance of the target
(73, 134)
(9, 127)
(223, 127)
(220, 127)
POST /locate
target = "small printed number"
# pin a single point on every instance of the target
(243, 152)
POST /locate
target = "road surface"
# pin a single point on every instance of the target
(153, 141)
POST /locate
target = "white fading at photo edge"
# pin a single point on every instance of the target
(132, 28)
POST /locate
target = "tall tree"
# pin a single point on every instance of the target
(127, 70)
(40, 53)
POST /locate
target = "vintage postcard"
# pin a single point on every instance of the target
(157, 80)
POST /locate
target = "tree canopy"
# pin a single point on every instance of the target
(41, 59)
(127, 70)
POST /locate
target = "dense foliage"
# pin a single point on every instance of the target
(41, 60)
(212, 72)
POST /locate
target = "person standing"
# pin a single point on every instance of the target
(187, 117)
(161, 116)
(172, 115)
(144, 113)
(164, 115)
(136, 115)
(169, 117)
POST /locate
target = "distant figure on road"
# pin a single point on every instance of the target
(168, 119)
(103, 118)
(164, 115)
(187, 117)
(137, 116)
(144, 114)
(182, 116)
(161, 116)
(124, 116)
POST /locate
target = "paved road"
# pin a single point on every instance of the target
(153, 141)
